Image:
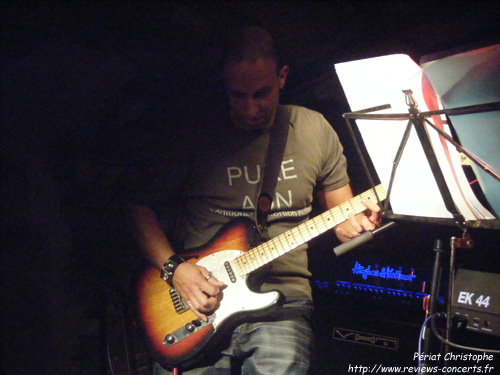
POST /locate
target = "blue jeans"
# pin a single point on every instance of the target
(279, 347)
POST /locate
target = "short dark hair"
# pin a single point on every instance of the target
(251, 43)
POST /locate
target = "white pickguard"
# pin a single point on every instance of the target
(237, 297)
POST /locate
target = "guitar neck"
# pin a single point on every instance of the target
(286, 242)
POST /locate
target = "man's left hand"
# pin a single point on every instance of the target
(357, 224)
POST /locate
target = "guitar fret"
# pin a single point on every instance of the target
(304, 233)
(268, 250)
(311, 229)
(284, 244)
(357, 205)
(257, 259)
(317, 225)
(248, 262)
(323, 224)
(337, 215)
(298, 230)
(261, 251)
(254, 258)
(260, 255)
(346, 210)
(329, 219)
(278, 245)
(273, 249)
(299, 236)
(294, 236)
(237, 264)
(290, 239)
(244, 263)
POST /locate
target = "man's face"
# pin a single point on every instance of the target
(253, 90)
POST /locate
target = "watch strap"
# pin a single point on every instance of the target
(169, 267)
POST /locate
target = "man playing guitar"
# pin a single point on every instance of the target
(222, 184)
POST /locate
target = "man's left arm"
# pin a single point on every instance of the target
(356, 224)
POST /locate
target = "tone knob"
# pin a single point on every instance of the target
(169, 339)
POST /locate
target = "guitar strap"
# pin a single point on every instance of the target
(270, 170)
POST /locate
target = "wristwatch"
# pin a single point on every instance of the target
(167, 272)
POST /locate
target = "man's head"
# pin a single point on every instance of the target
(253, 78)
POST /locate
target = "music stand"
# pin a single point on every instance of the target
(418, 120)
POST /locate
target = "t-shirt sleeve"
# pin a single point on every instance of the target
(334, 168)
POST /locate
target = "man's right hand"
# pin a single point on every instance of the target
(201, 292)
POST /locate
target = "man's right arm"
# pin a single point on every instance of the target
(189, 280)
(149, 235)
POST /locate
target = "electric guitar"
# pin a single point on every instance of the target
(176, 337)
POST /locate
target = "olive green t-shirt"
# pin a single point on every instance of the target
(223, 182)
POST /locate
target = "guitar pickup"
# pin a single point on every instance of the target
(230, 272)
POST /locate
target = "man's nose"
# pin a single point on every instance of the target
(252, 108)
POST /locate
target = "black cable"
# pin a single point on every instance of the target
(457, 346)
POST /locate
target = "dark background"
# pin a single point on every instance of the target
(86, 87)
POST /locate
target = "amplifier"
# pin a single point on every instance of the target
(476, 301)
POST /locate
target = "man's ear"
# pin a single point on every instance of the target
(282, 75)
